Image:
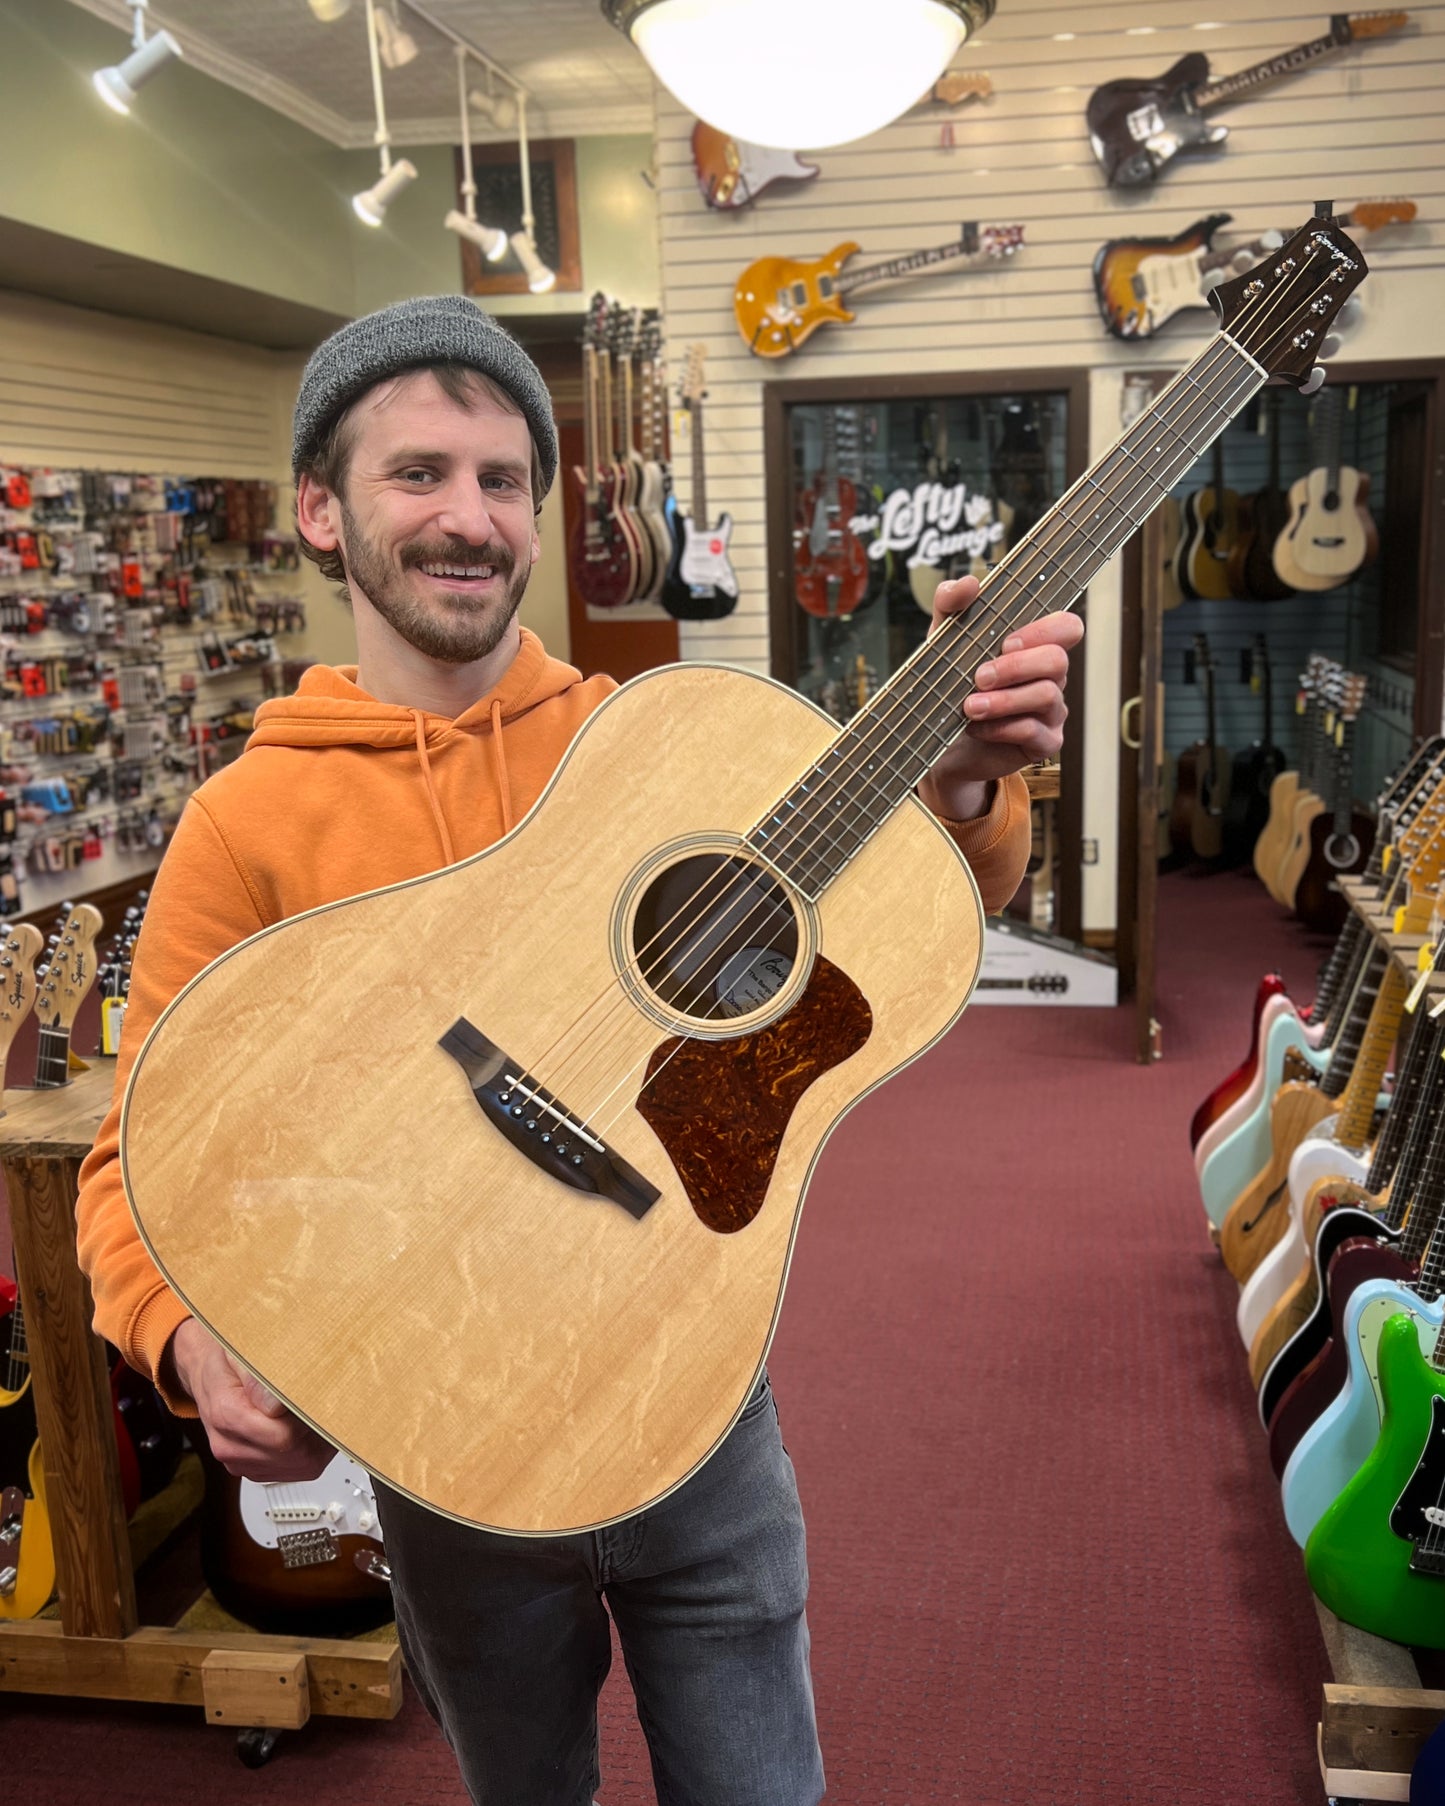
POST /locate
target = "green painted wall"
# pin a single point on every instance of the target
(203, 178)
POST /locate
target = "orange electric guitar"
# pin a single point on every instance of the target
(779, 303)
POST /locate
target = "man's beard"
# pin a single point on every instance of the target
(460, 630)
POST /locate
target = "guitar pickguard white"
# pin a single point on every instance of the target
(705, 564)
(339, 1500)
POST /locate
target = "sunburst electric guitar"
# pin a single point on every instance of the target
(554, 1175)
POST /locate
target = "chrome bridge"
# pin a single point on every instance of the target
(533, 1120)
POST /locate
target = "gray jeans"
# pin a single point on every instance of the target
(508, 1643)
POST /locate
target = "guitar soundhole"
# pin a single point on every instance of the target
(714, 937)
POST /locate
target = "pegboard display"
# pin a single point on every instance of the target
(142, 619)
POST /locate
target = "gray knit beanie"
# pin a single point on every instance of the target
(432, 329)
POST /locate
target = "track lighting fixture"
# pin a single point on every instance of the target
(395, 43)
(491, 241)
(117, 85)
(498, 110)
(371, 204)
(540, 279)
(705, 52)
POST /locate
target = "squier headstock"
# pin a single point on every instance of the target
(64, 982)
(18, 988)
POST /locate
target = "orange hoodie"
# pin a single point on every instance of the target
(398, 793)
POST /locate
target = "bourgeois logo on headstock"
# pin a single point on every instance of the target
(1279, 312)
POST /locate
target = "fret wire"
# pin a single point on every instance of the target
(1059, 522)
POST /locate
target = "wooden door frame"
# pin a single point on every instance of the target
(1429, 636)
(1070, 381)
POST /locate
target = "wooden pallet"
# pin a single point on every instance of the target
(98, 1649)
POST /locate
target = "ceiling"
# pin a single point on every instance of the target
(582, 75)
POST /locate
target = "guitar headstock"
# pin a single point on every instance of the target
(1371, 216)
(999, 241)
(19, 949)
(691, 388)
(649, 336)
(1279, 311)
(71, 969)
(950, 90)
(619, 329)
(594, 323)
(1203, 658)
(1373, 25)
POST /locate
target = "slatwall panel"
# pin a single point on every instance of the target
(1363, 126)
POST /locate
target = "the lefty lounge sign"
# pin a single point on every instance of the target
(931, 523)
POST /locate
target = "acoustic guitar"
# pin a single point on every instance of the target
(1252, 571)
(1342, 834)
(780, 302)
(1212, 522)
(1330, 532)
(1274, 838)
(1252, 773)
(554, 1176)
(1138, 128)
(1196, 823)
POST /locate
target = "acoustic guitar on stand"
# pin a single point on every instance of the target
(779, 303)
(1138, 128)
(605, 1127)
(1330, 532)
(1209, 535)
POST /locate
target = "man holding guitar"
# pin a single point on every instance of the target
(424, 445)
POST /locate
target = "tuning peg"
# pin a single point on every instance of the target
(1315, 381)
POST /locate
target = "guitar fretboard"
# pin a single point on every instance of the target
(1288, 62)
(52, 1063)
(967, 246)
(878, 759)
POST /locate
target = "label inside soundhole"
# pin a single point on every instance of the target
(750, 978)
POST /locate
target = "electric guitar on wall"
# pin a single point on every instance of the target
(1138, 128)
(1140, 283)
(656, 478)
(702, 991)
(628, 457)
(732, 174)
(780, 303)
(600, 555)
(701, 584)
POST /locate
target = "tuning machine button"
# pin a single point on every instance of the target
(1315, 382)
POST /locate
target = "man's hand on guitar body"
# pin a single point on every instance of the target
(251, 1433)
(1015, 714)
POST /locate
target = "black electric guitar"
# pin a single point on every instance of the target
(1138, 128)
(700, 584)
(1252, 772)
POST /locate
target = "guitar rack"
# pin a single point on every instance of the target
(247, 1682)
(1375, 1716)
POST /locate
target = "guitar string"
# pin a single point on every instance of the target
(1036, 546)
(1152, 416)
(1071, 578)
(977, 630)
(1137, 482)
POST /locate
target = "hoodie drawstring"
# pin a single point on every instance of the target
(499, 764)
(448, 858)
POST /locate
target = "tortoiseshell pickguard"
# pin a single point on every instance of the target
(721, 1108)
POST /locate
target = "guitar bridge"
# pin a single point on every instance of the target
(306, 1548)
(1427, 1561)
(533, 1120)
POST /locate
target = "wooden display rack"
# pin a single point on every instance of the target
(98, 1649)
(1375, 1717)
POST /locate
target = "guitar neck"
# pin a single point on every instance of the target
(967, 246)
(52, 1061)
(699, 468)
(875, 762)
(589, 428)
(1357, 1106)
(1272, 69)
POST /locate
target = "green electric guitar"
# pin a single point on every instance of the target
(1377, 1556)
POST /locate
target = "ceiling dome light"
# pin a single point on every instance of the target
(539, 278)
(117, 85)
(371, 204)
(737, 63)
(329, 11)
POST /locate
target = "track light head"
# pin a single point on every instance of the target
(395, 44)
(371, 204)
(117, 85)
(489, 240)
(498, 110)
(539, 278)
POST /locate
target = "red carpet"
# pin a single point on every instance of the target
(1048, 1560)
